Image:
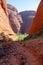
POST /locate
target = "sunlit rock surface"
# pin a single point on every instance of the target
(38, 20)
(4, 22)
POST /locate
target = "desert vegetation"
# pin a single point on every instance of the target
(36, 35)
(21, 37)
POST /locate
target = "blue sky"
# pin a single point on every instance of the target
(23, 5)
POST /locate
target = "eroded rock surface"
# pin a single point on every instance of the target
(15, 18)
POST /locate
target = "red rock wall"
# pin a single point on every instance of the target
(38, 20)
(4, 21)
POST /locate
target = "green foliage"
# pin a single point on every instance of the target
(39, 33)
(21, 36)
(36, 35)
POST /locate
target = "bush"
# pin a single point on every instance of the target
(36, 35)
(21, 36)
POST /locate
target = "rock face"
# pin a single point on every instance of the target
(4, 6)
(15, 18)
(27, 17)
(4, 22)
(38, 20)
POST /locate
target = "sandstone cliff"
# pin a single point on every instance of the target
(4, 22)
(27, 17)
(15, 18)
(38, 20)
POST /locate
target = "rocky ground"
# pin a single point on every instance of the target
(29, 52)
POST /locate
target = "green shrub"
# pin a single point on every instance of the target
(21, 36)
(39, 33)
(36, 35)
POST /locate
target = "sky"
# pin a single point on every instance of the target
(24, 5)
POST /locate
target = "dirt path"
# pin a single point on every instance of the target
(23, 53)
